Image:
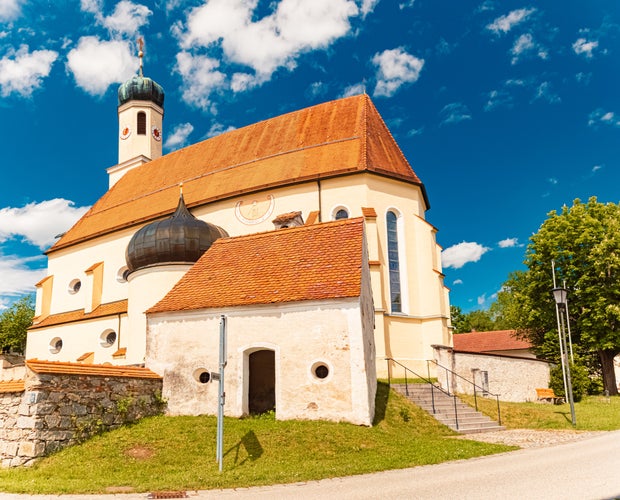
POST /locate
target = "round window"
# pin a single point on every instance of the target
(202, 375)
(320, 370)
(74, 286)
(107, 338)
(55, 345)
(121, 275)
(341, 214)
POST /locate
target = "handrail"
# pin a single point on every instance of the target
(482, 389)
(428, 381)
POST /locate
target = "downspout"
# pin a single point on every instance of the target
(318, 182)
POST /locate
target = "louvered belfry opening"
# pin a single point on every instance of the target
(141, 126)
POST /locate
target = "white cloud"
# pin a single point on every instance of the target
(368, 6)
(596, 168)
(508, 243)
(17, 277)
(395, 68)
(525, 45)
(201, 76)
(601, 117)
(261, 45)
(497, 99)
(355, 89)
(504, 24)
(10, 9)
(457, 282)
(22, 72)
(585, 47)
(545, 92)
(217, 129)
(127, 18)
(404, 5)
(454, 112)
(39, 223)
(553, 181)
(97, 64)
(179, 136)
(269, 43)
(317, 89)
(457, 256)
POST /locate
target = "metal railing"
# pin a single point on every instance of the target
(473, 384)
(427, 381)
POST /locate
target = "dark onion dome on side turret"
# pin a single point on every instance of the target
(141, 88)
(179, 239)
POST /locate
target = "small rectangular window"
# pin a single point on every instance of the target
(141, 126)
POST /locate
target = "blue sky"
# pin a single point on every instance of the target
(505, 109)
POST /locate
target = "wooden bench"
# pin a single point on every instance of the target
(549, 396)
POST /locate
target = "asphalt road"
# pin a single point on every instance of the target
(587, 469)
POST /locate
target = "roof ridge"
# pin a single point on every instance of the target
(289, 230)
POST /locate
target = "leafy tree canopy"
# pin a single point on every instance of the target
(584, 243)
(14, 323)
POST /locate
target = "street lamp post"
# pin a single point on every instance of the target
(560, 294)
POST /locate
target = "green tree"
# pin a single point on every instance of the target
(584, 242)
(478, 321)
(14, 323)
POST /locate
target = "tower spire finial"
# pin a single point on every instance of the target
(141, 53)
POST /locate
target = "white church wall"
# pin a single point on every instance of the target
(70, 264)
(147, 287)
(301, 335)
(77, 338)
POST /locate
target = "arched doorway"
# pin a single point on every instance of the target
(262, 386)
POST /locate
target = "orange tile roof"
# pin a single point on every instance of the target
(335, 138)
(120, 352)
(369, 212)
(7, 386)
(65, 368)
(315, 262)
(109, 309)
(500, 340)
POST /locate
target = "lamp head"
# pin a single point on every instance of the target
(559, 294)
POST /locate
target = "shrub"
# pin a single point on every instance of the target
(579, 377)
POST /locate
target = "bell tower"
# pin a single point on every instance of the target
(140, 119)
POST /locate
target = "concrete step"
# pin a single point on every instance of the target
(441, 406)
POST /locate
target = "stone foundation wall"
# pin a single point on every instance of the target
(9, 413)
(513, 379)
(58, 410)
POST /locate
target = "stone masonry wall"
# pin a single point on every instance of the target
(58, 410)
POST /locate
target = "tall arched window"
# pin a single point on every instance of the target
(141, 125)
(394, 264)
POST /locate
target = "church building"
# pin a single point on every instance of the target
(306, 231)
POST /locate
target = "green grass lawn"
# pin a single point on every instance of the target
(593, 413)
(178, 453)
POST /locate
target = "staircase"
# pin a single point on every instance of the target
(469, 420)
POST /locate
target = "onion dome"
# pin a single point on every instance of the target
(141, 88)
(179, 239)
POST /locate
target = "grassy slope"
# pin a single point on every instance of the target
(178, 453)
(593, 413)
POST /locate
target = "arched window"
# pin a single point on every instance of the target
(141, 126)
(341, 214)
(394, 264)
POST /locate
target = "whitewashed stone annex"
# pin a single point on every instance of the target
(307, 231)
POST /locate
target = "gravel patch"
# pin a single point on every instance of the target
(530, 438)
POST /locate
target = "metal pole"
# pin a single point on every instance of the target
(557, 315)
(560, 319)
(570, 339)
(221, 394)
(569, 394)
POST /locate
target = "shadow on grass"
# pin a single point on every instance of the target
(252, 447)
(381, 401)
